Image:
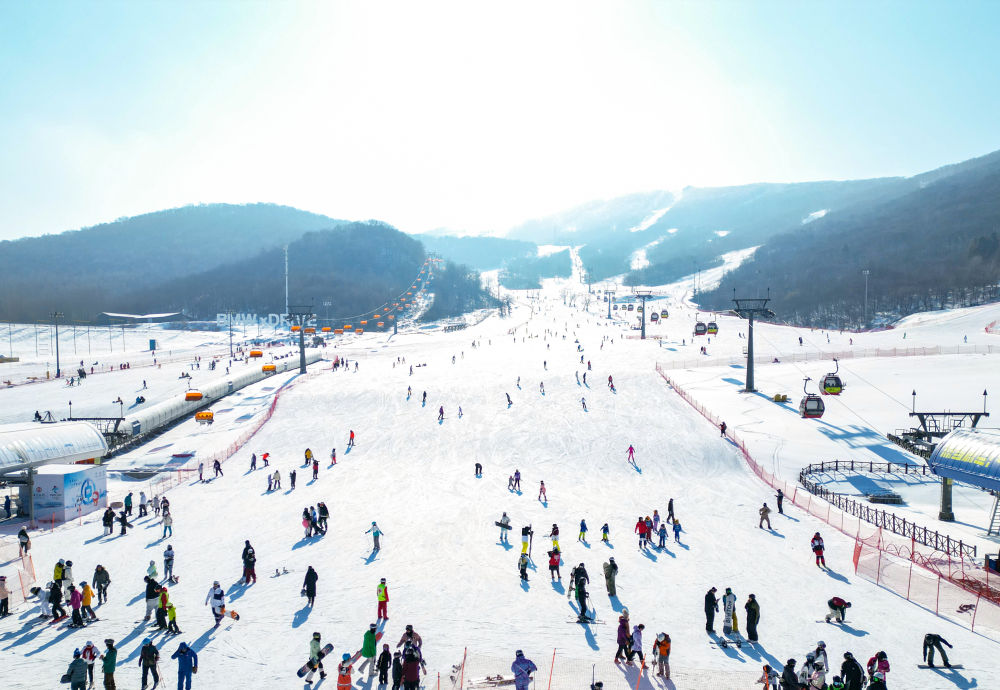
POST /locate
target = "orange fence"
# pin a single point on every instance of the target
(962, 590)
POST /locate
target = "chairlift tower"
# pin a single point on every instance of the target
(749, 308)
(643, 295)
(611, 298)
(300, 316)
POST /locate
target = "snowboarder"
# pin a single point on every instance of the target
(851, 672)
(309, 586)
(376, 533)
(781, 498)
(764, 512)
(522, 667)
(838, 609)
(509, 401)
(253, 461)
(753, 617)
(933, 641)
(217, 598)
(522, 566)
(583, 401)
(87, 595)
(265, 457)
(818, 548)
(610, 573)
(152, 596)
(604, 533)
(581, 581)
(291, 477)
(583, 532)
(187, 663)
(440, 416)
(333, 456)
(630, 454)
(315, 469)
(711, 608)
(382, 595)
(123, 521)
(541, 493)
(218, 469)
(148, 656)
(479, 469)
(670, 509)
(201, 471)
(77, 671)
(172, 628)
(525, 535)
(142, 504)
(128, 503)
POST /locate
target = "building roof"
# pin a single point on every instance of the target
(33, 444)
(969, 455)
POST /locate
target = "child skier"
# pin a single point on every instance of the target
(818, 548)
(583, 531)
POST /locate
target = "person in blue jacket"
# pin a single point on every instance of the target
(583, 531)
(187, 663)
(522, 668)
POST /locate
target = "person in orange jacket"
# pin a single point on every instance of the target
(88, 598)
(344, 669)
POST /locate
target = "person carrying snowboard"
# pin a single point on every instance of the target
(610, 573)
(764, 513)
(504, 528)
(368, 651)
(818, 548)
(187, 663)
(217, 598)
(932, 642)
(838, 609)
(382, 595)
(661, 655)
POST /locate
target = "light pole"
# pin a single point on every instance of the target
(866, 272)
(56, 315)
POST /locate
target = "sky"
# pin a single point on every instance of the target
(473, 116)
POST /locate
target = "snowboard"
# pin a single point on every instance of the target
(232, 614)
(310, 665)
(936, 666)
(501, 526)
(357, 654)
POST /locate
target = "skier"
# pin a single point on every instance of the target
(265, 457)
(382, 595)
(441, 413)
(76, 603)
(522, 566)
(187, 663)
(217, 597)
(376, 533)
(604, 533)
(583, 532)
(610, 573)
(517, 480)
(541, 493)
(631, 454)
(838, 609)
(168, 563)
(611, 382)
(640, 529)
(554, 535)
(878, 667)
(148, 656)
(522, 667)
(509, 401)
(624, 641)
(764, 512)
(818, 547)
(383, 664)
(333, 456)
(504, 527)
(933, 641)
(309, 585)
(368, 651)
(753, 617)
(424, 400)
(87, 598)
(249, 560)
(582, 580)
(851, 672)
(781, 497)
(583, 401)
(554, 560)
(172, 628)
(711, 608)
(350, 440)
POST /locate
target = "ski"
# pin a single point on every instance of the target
(589, 621)
(490, 681)
(936, 666)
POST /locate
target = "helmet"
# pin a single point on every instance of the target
(83, 584)
(383, 580)
(612, 559)
(581, 565)
(110, 642)
(821, 644)
(373, 522)
(881, 655)
(316, 635)
(215, 584)
(810, 656)
(146, 642)
(62, 562)
(69, 563)
(346, 657)
(519, 653)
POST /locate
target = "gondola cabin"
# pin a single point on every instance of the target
(204, 417)
(831, 383)
(256, 353)
(348, 326)
(391, 317)
(654, 317)
(664, 314)
(614, 307)
(193, 396)
(811, 406)
(268, 369)
(631, 307)
(713, 328)
(700, 328)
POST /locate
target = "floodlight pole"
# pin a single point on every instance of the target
(300, 316)
(56, 315)
(643, 295)
(747, 309)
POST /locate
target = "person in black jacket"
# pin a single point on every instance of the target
(383, 664)
(789, 679)
(309, 585)
(582, 580)
(753, 617)
(249, 560)
(851, 672)
(711, 608)
(932, 642)
(56, 598)
(397, 670)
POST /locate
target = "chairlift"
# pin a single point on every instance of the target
(832, 383)
(811, 406)
(713, 328)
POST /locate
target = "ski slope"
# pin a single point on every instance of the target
(448, 575)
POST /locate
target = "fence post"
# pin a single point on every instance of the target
(979, 598)
(552, 667)
(465, 655)
(909, 581)
(937, 599)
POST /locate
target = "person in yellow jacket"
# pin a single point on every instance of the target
(309, 456)
(382, 593)
(57, 572)
(661, 655)
(88, 597)
(172, 617)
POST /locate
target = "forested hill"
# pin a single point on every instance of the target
(936, 246)
(81, 272)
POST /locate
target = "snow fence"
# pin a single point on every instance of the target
(953, 587)
(557, 671)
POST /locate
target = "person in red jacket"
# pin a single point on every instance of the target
(818, 548)
(554, 565)
(640, 529)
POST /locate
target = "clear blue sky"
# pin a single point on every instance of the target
(471, 115)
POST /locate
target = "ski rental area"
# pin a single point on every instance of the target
(556, 393)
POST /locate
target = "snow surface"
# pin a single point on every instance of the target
(650, 220)
(448, 575)
(815, 215)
